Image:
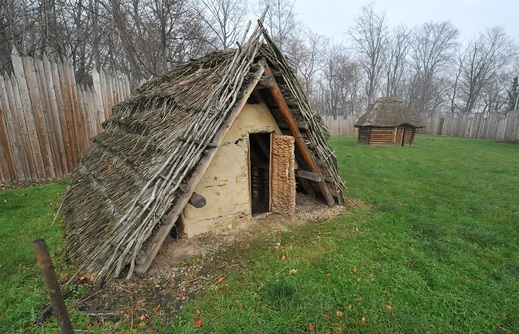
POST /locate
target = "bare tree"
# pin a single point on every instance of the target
(369, 35)
(432, 53)
(307, 52)
(280, 20)
(513, 95)
(150, 35)
(396, 61)
(480, 66)
(224, 18)
(340, 84)
(8, 33)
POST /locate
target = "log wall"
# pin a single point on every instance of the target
(382, 136)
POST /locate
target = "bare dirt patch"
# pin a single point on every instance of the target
(173, 251)
(185, 268)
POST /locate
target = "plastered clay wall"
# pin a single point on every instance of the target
(225, 184)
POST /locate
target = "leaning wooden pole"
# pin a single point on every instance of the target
(49, 275)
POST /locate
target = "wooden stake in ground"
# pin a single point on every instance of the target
(49, 275)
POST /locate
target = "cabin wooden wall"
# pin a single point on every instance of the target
(364, 135)
(382, 136)
(409, 136)
(386, 136)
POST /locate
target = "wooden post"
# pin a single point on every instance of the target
(56, 298)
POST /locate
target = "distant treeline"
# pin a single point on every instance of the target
(425, 65)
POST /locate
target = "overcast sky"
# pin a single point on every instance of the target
(333, 17)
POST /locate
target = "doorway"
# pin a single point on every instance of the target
(259, 156)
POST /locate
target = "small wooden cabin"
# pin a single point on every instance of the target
(219, 139)
(388, 122)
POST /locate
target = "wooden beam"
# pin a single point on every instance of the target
(199, 171)
(308, 187)
(287, 115)
(197, 200)
(309, 175)
(266, 82)
(302, 126)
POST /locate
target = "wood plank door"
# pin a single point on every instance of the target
(282, 175)
(399, 137)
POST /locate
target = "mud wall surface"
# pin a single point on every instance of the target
(225, 184)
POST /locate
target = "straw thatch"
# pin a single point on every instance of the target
(389, 112)
(151, 154)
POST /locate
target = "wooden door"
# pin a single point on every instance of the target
(282, 175)
(399, 137)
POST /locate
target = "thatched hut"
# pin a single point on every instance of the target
(224, 137)
(388, 122)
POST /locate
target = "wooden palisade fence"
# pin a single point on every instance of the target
(47, 120)
(488, 126)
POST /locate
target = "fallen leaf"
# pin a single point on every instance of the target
(388, 307)
(363, 321)
(183, 298)
(311, 327)
(283, 258)
(153, 330)
(354, 270)
(292, 271)
(142, 317)
(157, 308)
(198, 323)
(339, 314)
(221, 278)
(197, 312)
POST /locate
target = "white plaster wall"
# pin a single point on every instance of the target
(225, 184)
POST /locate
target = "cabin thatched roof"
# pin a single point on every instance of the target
(389, 112)
(151, 154)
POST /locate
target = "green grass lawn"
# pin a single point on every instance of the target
(25, 215)
(433, 248)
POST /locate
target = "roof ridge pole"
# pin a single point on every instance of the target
(262, 17)
(242, 41)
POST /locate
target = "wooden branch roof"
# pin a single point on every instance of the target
(152, 152)
(389, 112)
